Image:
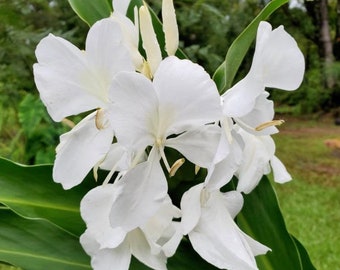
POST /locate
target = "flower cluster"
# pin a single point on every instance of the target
(141, 105)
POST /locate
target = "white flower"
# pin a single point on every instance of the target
(71, 81)
(207, 218)
(181, 100)
(111, 248)
(277, 63)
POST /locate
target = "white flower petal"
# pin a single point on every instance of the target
(143, 190)
(186, 91)
(198, 145)
(118, 156)
(240, 99)
(140, 248)
(79, 151)
(156, 225)
(256, 247)
(63, 78)
(135, 112)
(262, 112)
(217, 238)
(71, 81)
(191, 208)
(233, 201)
(107, 258)
(170, 247)
(95, 209)
(106, 52)
(278, 58)
(121, 6)
(222, 172)
(257, 152)
(131, 38)
(281, 175)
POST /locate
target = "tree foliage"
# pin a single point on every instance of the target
(27, 133)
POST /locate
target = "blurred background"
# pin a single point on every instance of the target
(309, 141)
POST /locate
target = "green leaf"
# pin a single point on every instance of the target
(261, 218)
(305, 260)
(225, 73)
(91, 11)
(31, 192)
(38, 245)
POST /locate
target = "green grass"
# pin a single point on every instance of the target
(311, 202)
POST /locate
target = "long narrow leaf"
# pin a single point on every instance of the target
(225, 73)
(261, 218)
(31, 192)
(305, 260)
(38, 245)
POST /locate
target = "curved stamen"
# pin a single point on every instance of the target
(174, 168)
(269, 124)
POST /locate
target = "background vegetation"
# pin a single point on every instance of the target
(207, 28)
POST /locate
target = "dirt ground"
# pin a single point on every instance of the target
(311, 145)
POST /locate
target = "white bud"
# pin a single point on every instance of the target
(150, 42)
(170, 27)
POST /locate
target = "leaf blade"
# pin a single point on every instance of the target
(38, 245)
(41, 198)
(91, 11)
(261, 218)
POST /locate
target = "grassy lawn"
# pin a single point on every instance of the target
(311, 202)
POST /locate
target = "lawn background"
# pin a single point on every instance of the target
(311, 202)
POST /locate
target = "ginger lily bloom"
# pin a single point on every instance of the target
(180, 101)
(277, 63)
(71, 81)
(111, 248)
(207, 218)
(174, 110)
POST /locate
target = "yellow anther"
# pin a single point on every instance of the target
(174, 168)
(146, 71)
(68, 123)
(197, 168)
(100, 120)
(269, 124)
